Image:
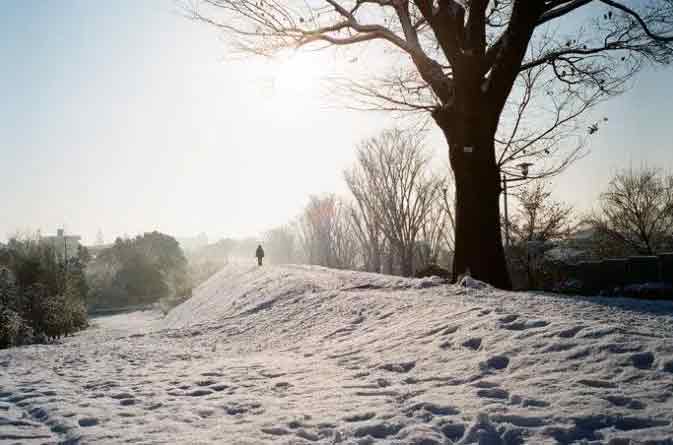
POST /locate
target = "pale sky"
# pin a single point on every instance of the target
(124, 116)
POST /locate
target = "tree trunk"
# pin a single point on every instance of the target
(376, 260)
(406, 261)
(388, 265)
(478, 238)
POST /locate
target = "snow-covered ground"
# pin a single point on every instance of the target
(304, 355)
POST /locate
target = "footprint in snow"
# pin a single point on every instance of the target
(534, 403)
(628, 402)
(87, 421)
(508, 318)
(473, 343)
(485, 384)
(497, 362)
(205, 383)
(359, 417)
(276, 431)
(377, 430)
(240, 408)
(199, 392)
(304, 434)
(597, 383)
(205, 413)
(493, 393)
(642, 360)
(429, 410)
(212, 374)
(446, 345)
(570, 332)
(401, 368)
(453, 431)
(524, 325)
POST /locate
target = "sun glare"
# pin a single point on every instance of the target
(296, 72)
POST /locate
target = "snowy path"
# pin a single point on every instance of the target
(302, 355)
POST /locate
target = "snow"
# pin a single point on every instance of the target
(308, 355)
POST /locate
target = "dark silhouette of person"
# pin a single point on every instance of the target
(259, 254)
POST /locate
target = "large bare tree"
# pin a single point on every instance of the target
(392, 181)
(467, 55)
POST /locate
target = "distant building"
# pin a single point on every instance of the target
(576, 247)
(63, 245)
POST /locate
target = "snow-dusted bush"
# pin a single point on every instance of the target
(14, 331)
(62, 316)
(39, 296)
(433, 270)
(138, 271)
(648, 291)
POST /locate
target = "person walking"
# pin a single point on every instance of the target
(259, 254)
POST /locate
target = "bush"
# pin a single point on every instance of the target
(39, 297)
(654, 291)
(138, 271)
(62, 316)
(433, 270)
(14, 331)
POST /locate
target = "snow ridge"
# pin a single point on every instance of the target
(308, 355)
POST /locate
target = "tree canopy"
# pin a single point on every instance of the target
(139, 270)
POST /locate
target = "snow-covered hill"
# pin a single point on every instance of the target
(307, 355)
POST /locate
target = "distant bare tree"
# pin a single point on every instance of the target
(326, 234)
(459, 61)
(347, 254)
(280, 245)
(315, 226)
(367, 229)
(538, 220)
(636, 212)
(539, 217)
(436, 234)
(391, 179)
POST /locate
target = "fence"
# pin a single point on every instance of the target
(617, 275)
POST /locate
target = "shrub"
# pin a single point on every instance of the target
(39, 297)
(138, 271)
(14, 331)
(433, 270)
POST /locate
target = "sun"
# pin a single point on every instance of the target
(296, 72)
(292, 83)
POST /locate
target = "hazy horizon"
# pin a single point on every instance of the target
(128, 118)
